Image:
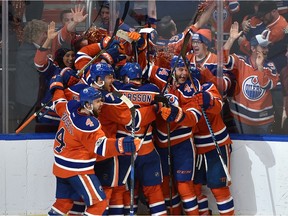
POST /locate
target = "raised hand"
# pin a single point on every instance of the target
(78, 16)
(234, 31)
(234, 34)
(51, 33)
(260, 58)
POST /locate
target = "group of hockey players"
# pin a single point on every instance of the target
(141, 114)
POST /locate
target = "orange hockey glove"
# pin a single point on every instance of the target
(172, 113)
(204, 99)
(135, 36)
(127, 144)
(56, 82)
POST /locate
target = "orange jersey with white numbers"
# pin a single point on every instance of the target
(79, 140)
(252, 99)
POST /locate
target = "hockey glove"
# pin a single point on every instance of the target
(69, 77)
(157, 106)
(127, 144)
(104, 42)
(172, 113)
(112, 55)
(135, 36)
(158, 102)
(204, 99)
(56, 82)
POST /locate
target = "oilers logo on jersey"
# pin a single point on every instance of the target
(251, 88)
(172, 99)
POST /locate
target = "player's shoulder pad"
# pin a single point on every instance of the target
(207, 86)
(78, 87)
(176, 38)
(151, 87)
(163, 73)
(81, 122)
(187, 89)
(117, 85)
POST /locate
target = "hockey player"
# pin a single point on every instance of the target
(252, 101)
(147, 164)
(78, 142)
(205, 62)
(101, 76)
(109, 171)
(209, 169)
(182, 115)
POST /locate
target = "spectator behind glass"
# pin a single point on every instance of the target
(63, 63)
(167, 42)
(266, 18)
(251, 104)
(66, 17)
(104, 14)
(26, 76)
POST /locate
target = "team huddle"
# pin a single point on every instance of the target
(141, 114)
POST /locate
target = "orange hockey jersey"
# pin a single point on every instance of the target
(177, 96)
(252, 99)
(79, 140)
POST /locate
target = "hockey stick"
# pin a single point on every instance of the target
(135, 156)
(33, 116)
(26, 116)
(132, 166)
(183, 54)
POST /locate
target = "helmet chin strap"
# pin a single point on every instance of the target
(90, 110)
(99, 85)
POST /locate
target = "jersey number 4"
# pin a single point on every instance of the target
(60, 139)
